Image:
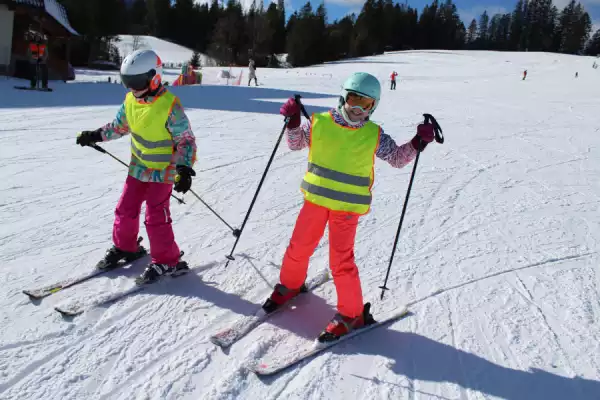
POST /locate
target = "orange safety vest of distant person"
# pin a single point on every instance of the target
(37, 50)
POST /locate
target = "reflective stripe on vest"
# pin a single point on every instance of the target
(36, 50)
(151, 142)
(340, 169)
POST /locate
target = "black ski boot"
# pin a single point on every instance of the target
(115, 257)
(155, 271)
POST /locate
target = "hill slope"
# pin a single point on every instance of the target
(498, 256)
(167, 51)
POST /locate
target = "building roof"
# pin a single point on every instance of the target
(54, 9)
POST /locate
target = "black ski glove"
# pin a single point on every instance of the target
(86, 138)
(183, 179)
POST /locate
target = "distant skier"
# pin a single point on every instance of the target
(343, 144)
(576, 74)
(524, 74)
(163, 152)
(393, 79)
(252, 72)
(38, 58)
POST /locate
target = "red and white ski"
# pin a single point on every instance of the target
(246, 324)
(275, 364)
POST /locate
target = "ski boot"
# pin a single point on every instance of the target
(115, 258)
(280, 296)
(340, 325)
(156, 271)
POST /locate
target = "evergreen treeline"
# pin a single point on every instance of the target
(225, 31)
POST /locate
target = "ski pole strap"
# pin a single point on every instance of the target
(299, 102)
(430, 119)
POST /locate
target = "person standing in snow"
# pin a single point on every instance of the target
(393, 78)
(163, 152)
(524, 74)
(252, 72)
(37, 53)
(337, 187)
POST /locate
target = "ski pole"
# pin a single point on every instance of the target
(103, 150)
(285, 124)
(236, 232)
(439, 137)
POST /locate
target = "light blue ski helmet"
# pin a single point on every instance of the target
(363, 84)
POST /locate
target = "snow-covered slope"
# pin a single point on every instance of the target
(170, 53)
(498, 257)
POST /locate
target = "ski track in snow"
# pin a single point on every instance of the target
(497, 258)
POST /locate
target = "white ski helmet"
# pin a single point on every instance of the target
(141, 70)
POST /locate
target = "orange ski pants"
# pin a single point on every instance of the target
(308, 231)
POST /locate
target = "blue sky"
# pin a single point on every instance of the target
(468, 9)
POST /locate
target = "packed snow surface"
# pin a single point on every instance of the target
(497, 259)
(168, 52)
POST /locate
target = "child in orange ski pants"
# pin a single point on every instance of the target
(307, 234)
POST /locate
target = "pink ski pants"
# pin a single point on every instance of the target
(163, 248)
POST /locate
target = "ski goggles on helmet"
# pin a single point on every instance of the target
(358, 101)
(138, 82)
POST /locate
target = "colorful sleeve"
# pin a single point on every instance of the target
(183, 137)
(299, 138)
(118, 128)
(396, 156)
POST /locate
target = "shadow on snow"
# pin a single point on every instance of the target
(206, 97)
(420, 358)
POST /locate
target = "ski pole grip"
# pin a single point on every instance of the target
(439, 136)
(96, 147)
(297, 97)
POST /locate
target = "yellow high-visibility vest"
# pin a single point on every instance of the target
(341, 165)
(151, 142)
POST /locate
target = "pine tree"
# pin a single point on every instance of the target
(184, 31)
(575, 26)
(541, 21)
(138, 18)
(472, 32)
(159, 18)
(300, 40)
(369, 32)
(195, 60)
(339, 38)
(492, 33)
(428, 28)
(517, 26)
(593, 46)
(483, 30)
(229, 42)
(451, 30)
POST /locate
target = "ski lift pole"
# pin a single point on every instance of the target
(285, 124)
(439, 137)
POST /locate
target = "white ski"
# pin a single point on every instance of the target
(246, 324)
(275, 364)
(76, 308)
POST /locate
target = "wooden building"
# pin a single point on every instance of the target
(17, 17)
